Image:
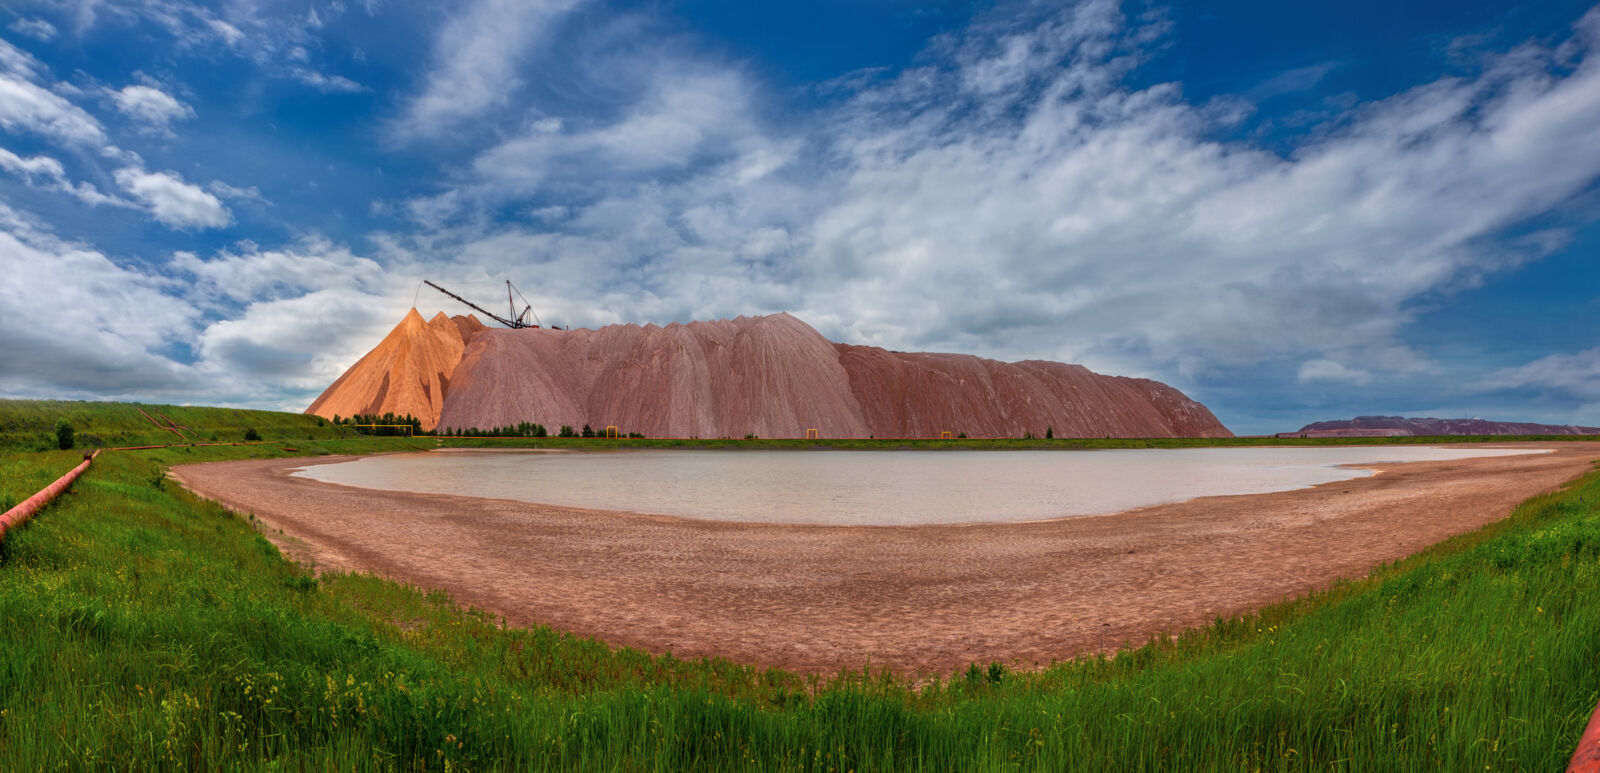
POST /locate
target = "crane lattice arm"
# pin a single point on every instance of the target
(511, 323)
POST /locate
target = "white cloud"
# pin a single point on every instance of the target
(1577, 375)
(226, 191)
(1015, 197)
(48, 173)
(1291, 81)
(37, 166)
(172, 201)
(151, 106)
(296, 345)
(99, 333)
(290, 320)
(328, 84)
(17, 62)
(35, 28)
(227, 32)
(27, 107)
(268, 327)
(254, 274)
(1328, 370)
(685, 118)
(476, 58)
(1102, 221)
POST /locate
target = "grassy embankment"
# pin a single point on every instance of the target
(29, 424)
(143, 628)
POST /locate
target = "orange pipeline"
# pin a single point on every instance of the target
(16, 516)
(1586, 759)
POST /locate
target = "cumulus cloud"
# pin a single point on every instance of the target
(1328, 370)
(35, 28)
(327, 84)
(1107, 211)
(48, 173)
(173, 201)
(256, 274)
(150, 106)
(1014, 195)
(288, 320)
(1576, 375)
(100, 333)
(297, 345)
(266, 326)
(476, 58)
(226, 191)
(269, 37)
(28, 107)
(685, 113)
(37, 166)
(15, 61)
(228, 33)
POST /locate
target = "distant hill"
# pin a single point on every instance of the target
(1396, 425)
(770, 376)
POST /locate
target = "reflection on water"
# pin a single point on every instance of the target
(888, 488)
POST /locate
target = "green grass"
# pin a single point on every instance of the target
(143, 628)
(30, 424)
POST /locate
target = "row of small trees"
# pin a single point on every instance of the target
(524, 429)
(386, 424)
(391, 423)
(521, 429)
(395, 424)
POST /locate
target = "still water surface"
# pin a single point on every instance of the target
(886, 488)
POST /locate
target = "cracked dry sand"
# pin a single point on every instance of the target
(917, 599)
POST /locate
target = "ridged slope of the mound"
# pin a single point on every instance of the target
(771, 376)
(925, 394)
(408, 372)
(777, 377)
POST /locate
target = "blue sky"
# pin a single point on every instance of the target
(1292, 213)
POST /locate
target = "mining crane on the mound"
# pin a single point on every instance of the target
(516, 320)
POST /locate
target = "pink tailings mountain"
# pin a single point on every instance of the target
(771, 376)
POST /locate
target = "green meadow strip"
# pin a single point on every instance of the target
(27, 425)
(143, 628)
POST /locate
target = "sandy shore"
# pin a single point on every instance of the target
(917, 599)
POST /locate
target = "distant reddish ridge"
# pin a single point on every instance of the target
(771, 376)
(1395, 425)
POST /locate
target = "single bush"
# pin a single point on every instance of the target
(64, 437)
(251, 435)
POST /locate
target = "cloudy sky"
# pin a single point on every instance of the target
(1292, 213)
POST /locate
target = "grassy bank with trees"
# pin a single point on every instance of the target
(33, 425)
(144, 628)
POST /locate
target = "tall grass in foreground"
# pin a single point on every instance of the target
(141, 628)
